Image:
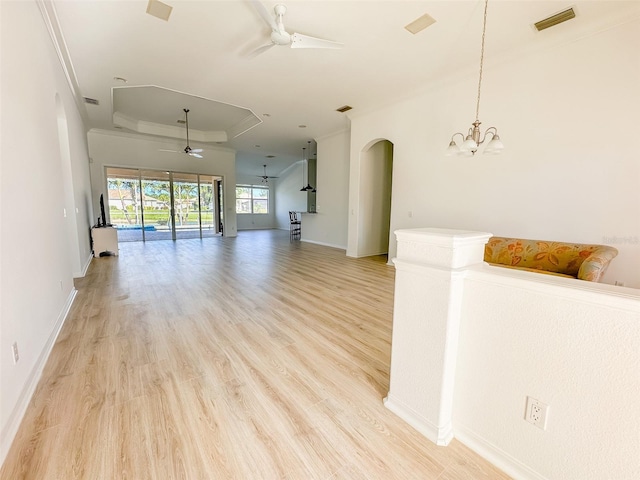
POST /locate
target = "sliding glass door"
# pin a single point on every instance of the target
(156, 205)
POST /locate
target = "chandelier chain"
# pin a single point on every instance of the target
(484, 28)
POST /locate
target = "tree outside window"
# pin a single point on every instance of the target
(252, 199)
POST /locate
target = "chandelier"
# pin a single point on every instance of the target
(473, 139)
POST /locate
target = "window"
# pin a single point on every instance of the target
(252, 199)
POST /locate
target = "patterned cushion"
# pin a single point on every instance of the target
(583, 261)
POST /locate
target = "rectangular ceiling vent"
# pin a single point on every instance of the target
(182, 122)
(159, 10)
(343, 109)
(91, 101)
(420, 23)
(556, 19)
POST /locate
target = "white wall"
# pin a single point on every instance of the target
(250, 221)
(576, 350)
(288, 194)
(329, 225)
(570, 171)
(36, 264)
(137, 151)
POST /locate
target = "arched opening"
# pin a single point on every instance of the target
(374, 199)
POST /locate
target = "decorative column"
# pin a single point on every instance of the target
(430, 269)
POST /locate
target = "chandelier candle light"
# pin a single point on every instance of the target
(472, 141)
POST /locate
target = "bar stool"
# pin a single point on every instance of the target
(295, 226)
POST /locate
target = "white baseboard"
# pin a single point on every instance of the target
(11, 428)
(339, 247)
(368, 255)
(85, 268)
(496, 456)
(438, 435)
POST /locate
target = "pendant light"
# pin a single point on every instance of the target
(472, 141)
(315, 154)
(304, 159)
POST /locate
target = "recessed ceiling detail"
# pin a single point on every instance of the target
(420, 23)
(159, 10)
(152, 110)
(344, 108)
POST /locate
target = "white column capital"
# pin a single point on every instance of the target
(441, 247)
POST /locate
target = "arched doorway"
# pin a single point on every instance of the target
(374, 199)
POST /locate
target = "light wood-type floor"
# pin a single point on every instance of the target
(227, 358)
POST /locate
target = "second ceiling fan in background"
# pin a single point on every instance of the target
(194, 152)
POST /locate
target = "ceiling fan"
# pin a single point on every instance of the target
(265, 178)
(279, 36)
(194, 152)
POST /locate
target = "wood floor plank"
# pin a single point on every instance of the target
(227, 358)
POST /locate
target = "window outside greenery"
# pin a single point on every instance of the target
(252, 199)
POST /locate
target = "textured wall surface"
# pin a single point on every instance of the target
(573, 345)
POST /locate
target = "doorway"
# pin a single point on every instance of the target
(374, 206)
(157, 205)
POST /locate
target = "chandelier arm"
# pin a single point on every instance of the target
(458, 133)
(484, 28)
(491, 130)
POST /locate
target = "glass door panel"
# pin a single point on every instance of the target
(156, 188)
(207, 205)
(186, 209)
(125, 211)
(220, 210)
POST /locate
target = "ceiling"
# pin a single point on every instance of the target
(203, 51)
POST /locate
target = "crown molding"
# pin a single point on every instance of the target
(50, 17)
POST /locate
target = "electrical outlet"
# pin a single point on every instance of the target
(536, 413)
(16, 355)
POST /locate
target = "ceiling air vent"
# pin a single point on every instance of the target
(182, 122)
(420, 24)
(343, 109)
(91, 101)
(554, 20)
(159, 10)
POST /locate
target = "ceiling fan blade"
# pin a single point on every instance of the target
(304, 41)
(172, 151)
(260, 50)
(197, 155)
(196, 150)
(264, 13)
